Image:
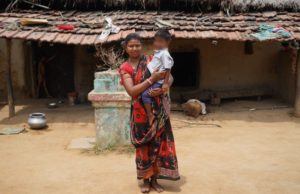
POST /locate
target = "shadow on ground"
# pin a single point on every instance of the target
(81, 113)
(244, 110)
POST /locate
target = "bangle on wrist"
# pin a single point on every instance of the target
(149, 81)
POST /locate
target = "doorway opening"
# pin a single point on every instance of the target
(186, 69)
(54, 67)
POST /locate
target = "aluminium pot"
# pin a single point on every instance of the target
(37, 120)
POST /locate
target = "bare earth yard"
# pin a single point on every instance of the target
(253, 152)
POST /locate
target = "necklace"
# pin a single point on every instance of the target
(133, 64)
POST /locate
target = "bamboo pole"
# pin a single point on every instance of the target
(10, 96)
(297, 98)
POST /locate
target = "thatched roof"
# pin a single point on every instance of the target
(266, 4)
(188, 5)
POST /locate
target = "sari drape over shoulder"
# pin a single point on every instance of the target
(155, 147)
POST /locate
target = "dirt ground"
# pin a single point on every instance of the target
(232, 150)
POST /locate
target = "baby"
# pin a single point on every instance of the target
(162, 61)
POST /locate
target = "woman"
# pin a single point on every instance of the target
(155, 148)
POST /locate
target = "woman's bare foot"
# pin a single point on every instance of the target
(146, 186)
(156, 186)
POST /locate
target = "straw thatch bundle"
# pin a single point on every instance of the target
(192, 5)
(266, 4)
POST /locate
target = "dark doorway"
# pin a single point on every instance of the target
(185, 70)
(57, 62)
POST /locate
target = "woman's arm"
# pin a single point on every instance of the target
(134, 90)
(159, 91)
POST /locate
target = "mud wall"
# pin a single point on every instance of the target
(287, 75)
(84, 68)
(17, 68)
(226, 66)
(223, 66)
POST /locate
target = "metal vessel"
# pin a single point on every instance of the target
(37, 120)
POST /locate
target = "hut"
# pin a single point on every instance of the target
(222, 48)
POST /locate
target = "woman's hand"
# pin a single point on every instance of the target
(156, 76)
(155, 92)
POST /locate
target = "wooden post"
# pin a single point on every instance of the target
(10, 96)
(297, 98)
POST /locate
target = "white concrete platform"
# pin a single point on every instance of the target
(82, 143)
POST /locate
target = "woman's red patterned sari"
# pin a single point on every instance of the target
(155, 148)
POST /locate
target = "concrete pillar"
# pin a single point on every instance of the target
(297, 98)
(112, 110)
